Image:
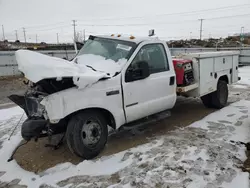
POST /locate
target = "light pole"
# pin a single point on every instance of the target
(242, 36)
(201, 28)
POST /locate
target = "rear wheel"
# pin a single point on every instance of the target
(207, 100)
(87, 134)
(217, 99)
(220, 96)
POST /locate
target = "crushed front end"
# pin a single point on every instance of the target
(37, 124)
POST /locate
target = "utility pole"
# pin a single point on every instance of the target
(16, 35)
(190, 35)
(74, 24)
(84, 35)
(24, 34)
(201, 27)
(36, 38)
(3, 32)
(57, 37)
(242, 32)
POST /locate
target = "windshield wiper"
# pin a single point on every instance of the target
(96, 70)
(91, 67)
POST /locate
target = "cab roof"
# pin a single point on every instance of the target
(128, 38)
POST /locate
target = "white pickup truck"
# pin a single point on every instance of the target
(113, 81)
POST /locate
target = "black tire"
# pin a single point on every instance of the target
(207, 100)
(70, 141)
(84, 128)
(220, 96)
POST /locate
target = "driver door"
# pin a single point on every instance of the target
(155, 93)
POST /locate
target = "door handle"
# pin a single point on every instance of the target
(172, 80)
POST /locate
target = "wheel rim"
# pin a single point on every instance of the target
(91, 133)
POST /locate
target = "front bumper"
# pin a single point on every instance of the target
(36, 125)
(33, 128)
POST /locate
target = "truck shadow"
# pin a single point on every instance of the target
(37, 158)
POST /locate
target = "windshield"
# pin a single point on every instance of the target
(108, 48)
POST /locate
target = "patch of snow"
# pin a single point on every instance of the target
(245, 76)
(238, 181)
(222, 117)
(240, 86)
(198, 182)
(10, 112)
(200, 155)
(91, 168)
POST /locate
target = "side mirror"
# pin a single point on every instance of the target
(139, 71)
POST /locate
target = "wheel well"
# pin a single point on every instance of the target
(107, 114)
(224, 78)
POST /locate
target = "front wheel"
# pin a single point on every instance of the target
(87, 134)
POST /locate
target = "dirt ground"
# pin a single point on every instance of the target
(36, 157)
(8, 86)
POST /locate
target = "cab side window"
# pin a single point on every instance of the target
(156, 57)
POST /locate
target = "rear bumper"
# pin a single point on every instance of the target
(33, 128)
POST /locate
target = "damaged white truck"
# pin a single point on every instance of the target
(114, 81)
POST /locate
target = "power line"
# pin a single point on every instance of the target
(171, 14)
(136, 24)
(222, 17)
(45, 25)
(133, 17)
(53, 28)
(158, 23)
(141, 24)
(237, 25)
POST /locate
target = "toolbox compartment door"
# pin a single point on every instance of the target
(206, 75)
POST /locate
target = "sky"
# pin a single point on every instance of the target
(175, 19)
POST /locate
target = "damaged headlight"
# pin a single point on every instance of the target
(34, 108)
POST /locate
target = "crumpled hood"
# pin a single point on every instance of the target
(37, 66)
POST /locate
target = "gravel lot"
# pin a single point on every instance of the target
(8, 86)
